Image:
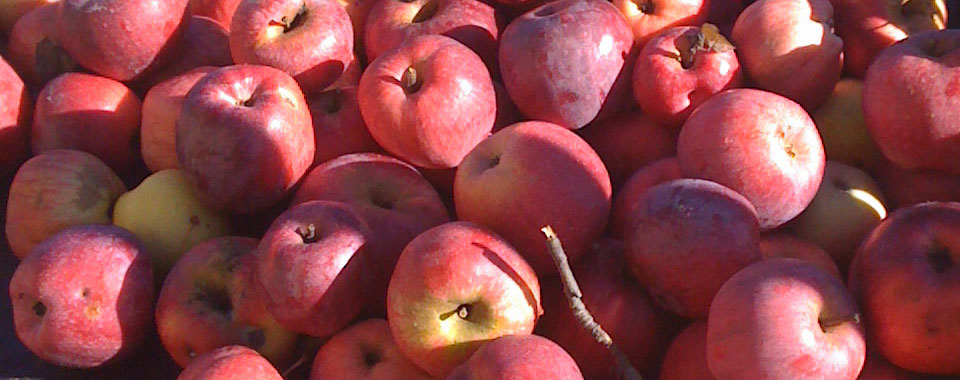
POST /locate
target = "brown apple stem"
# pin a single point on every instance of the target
(410, 80)
(830, 323)
(302, 359)
(572, 291)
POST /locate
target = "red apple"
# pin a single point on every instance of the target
(428, 101)
(338, 126)
(905, 187)
(15, 104)
(13, 10)
(89, 113)
(312, 40)
(530, 175)
(244, 137)
(775, 245)
(784, 319)
(358, 11)
(121, 39)
(206, 43)
(230, 363)
(364, 351)
(685, 238)
(878, 368)
(568, 62)
(674, 73)
(759, 144)
(34, 27)
(686, 359)
(661, 171)
(507, 112)
(456, 287)
(628, 142)
(220, 11)
(518, 357)
(788, 47)
(84, 297)
(649, 17)
(158, 125)
(919, 131)
(906, 277)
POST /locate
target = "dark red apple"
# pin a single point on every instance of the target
(628, 142)
(774, 245)
(904, 187)
(206, 43)
(338, 126)
(220, 11)
(513, 357)
(364, 351)
(230, 363)
(158, 123)
(686, 359)
(15, 105)
(35, 26)
(664, 170)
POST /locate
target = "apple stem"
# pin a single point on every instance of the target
(302, 359)
(410, 80)
(831, 323)
(575, 297)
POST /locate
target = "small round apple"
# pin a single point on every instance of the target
(628, 141)
(158, 125)
(15, 105)
(364, 351)
(230, 363)
(523, 357)
(35, 26)
(338, 126)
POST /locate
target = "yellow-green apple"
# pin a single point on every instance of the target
(906, 277)
(568, 62)
(628, 142)
(312, 40)
(685, 238)
(686, 358)
(869, 26)
(649, 17)
(878, 368)
(158, 123)
(842, 128)
(211, 299)
(661, 171)
(338, 126)
(847, 207)
(395, 201)
(84, 297)
(312, 264)
(205, 43)
(428, 101)
(788, 47)
(90, 113)
(170, 228)
(905, 187)
(916, 132)
(456, 287)
(15, 107)
(230, 363)
(220, 11)
(364, 351)
(774, 245)
(518, 357)
(501, 183)
(680, 68)
(759, 144)
(784, 319)
(390, 23)
(244, 137)
(56, 190)
(25, 36)
(12, 10)
(105, 38)
(617, 302)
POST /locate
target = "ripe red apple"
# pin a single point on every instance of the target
(456, 287)
(312, 40)
(921, 131)
(158, 125)
(13, 10)
(84, 297)
(661, 171)
(906, 277)
(35, 26)
(89, 113)
(502, 184)
(15, 104)
(685, 238)
(878, 368)
(628, 142)
(311, 263)
(759, 144)
(364, 351)
(788, 47)
(518, 357)
(649, 17)
(206, 43)
(568, 62)
(774, 245)
(674, 74)
(428, 101)
(869, 26)
(784, 319)
(338, 126)
(244, 137)
(686, 359)
(230, 363)
(220, 11)
(844, 133)
(904, 187)
(121, 39)
(358, 10)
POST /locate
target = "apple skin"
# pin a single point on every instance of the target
(456, 287)
(661, 171)
(220, 11)
(338, 126)
(869, 26)
(73, 187)
(724, 13)
(905, 276)
(905, 187)
(106, 40)
(15, 107)
(778, 161)
(776, 245)
(158, 123)
(685, 238)
(230, 363)
(206, 43)
(788, 47)
(358, 10)
(436, 120)
(364, 351)
(568, 62)
(12, 11)
(314, 281)
(507, 112)
(650, 17)
(772, 320)
(501, 183)
(844, 132)
(26, 34)
(628, 142)
(918, 131)
(211, 299)
(617, 302)
(89, 113)
(84, 297)
(847, 207)
(315, 45)
(878, 368)
(667, 89)
(244, 137)
(686, 358)
(518, 357)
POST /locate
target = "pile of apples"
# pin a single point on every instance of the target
(746, 190)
